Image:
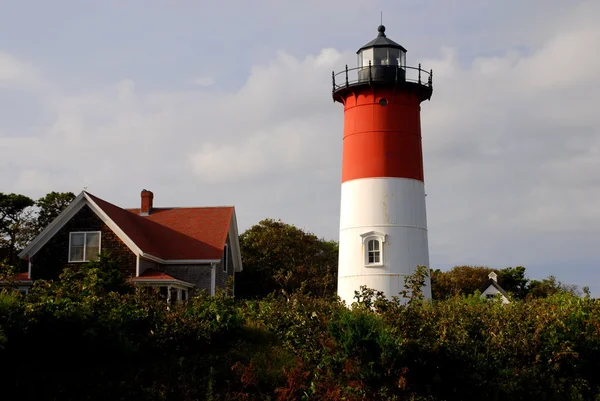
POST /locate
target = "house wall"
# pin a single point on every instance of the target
(222, 277)
(491, 290)
(146, 264)
(199, 275)
(49, 261)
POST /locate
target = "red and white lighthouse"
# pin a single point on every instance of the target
(383, 223)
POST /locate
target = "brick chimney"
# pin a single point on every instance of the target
(147, 198)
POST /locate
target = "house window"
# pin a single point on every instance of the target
(84, 246)
(225, 258)
(373, 248)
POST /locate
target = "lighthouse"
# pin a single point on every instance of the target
(383, 222)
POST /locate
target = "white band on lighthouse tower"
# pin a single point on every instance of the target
(383, 235)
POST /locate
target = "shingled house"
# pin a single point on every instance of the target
(178, 250)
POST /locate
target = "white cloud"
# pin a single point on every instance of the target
(11, 69)
(203, 81)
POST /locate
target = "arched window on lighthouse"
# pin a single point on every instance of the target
(373, 248)
(374, 251)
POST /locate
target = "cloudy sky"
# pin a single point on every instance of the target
(229, 102)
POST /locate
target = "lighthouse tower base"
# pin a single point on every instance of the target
(383, 235)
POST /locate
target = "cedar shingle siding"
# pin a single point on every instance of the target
(199, 275)
(49, 261)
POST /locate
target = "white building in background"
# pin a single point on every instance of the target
(491, 289)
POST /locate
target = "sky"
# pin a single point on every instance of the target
(229, 103)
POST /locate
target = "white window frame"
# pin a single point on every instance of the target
(377, 236)
(225, 258)
(84, 244)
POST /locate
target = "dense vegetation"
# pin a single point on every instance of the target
(90, 336)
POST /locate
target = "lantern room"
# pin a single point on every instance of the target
(382, 63)
(382, 51)
(381, 59)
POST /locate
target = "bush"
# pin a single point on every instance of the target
(91, 337)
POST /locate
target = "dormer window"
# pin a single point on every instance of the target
(373, 248)
(84, 246)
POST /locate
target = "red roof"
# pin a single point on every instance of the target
(22, 277)
(174, 233)
(151, 274)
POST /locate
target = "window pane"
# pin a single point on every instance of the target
(394, 56)
(93, 240)
(367, 55)
(91, 253)
(375, 245)
(77, 239)
(376, 257)
(402, 59)
(380, 56)
(92, 246)
(76, 254)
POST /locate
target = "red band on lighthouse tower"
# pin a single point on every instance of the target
(382, 135)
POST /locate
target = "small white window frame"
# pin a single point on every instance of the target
(225, 258)
(377, 236)
(84, 245)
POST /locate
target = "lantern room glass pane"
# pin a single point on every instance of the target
(380, 56)
(402, 59)
(367, 55)
(394, 55)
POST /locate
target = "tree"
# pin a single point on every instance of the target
(16, 228)
(280, 256)
(513, 280)
(463, 280)
(549, 286)
(413, 285)
(50, 206)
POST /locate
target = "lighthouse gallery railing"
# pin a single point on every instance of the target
(381, 73)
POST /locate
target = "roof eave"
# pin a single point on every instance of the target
(51, 227)
(235, 243)
(178, 261)
(149, 281)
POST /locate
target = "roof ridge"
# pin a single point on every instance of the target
(165, 235)
(129, 215)
(185, 207)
